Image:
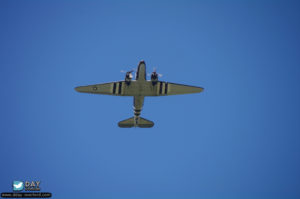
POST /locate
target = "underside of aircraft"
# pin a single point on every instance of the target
(139, 89)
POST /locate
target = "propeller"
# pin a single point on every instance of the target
(128, 72)
(154, 71)
(123, 71)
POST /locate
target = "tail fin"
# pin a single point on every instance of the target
(141, 122)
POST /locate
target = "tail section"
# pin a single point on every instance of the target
(136, 122)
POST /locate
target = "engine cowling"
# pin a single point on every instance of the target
(154, 78)
(128, 77)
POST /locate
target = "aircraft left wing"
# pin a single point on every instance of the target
(167, 88)
(111, 88)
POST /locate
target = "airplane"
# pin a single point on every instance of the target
(139, 89)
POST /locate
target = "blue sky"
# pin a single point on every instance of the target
(238, 139)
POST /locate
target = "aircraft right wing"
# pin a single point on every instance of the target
(167, 88)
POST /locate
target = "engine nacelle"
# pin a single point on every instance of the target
(154, 78)
(128, 77)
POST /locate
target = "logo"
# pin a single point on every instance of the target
(18, 185)
(26, 189)
(32, 185)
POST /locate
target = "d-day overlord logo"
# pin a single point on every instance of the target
(26, 189)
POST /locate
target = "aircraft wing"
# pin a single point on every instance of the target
(111, 88)
(167, 88)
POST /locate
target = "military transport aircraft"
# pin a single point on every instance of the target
(139, 89)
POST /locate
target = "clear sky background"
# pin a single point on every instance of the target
(238, 139)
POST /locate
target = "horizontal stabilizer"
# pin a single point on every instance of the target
(141, 122)
(128, 123)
